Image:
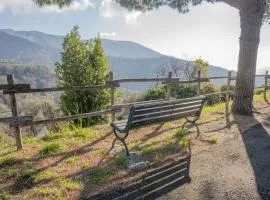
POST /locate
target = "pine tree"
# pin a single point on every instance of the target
(82, 64)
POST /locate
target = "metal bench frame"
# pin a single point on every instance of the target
(125, 131)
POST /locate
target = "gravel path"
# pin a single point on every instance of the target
(238, 168)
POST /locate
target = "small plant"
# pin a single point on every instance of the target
(213, 139)
(29, 139)
(50, 148)
(98, 175)
(8, 160)
(49, 192)
(84, 133)
(169, 146)
(184, 142)
(68, 184)
(72, 160)
(148, 150)
(121, 160)
(181, 133)
(5, 194)
(42, 176)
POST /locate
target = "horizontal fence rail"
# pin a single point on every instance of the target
(20, 121)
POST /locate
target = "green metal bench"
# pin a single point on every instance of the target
(152, 112)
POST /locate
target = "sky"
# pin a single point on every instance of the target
(210, 31)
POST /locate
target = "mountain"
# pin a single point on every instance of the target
(20, 49)
(127, 59)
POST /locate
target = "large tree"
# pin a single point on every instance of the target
(82, 64)
(252, 14)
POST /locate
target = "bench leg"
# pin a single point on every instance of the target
(121, 139)
(193, 122)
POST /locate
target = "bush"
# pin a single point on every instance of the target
(223, 88)
(155, 93)
(184, 91)
(210, 88)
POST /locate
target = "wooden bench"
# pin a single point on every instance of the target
(152, 112)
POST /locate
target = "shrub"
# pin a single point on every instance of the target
(210, 88)
(155, 93)
(184, 91)
(223, 88)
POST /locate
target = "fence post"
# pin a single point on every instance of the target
(228, 98)
(199, 83)
(169, 89)
(112, 95)
(265, 85)
(13, 105)
(157, 82)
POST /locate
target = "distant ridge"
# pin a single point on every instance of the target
(126, 59)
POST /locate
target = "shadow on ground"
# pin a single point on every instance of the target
(157, 181)
(257, 144)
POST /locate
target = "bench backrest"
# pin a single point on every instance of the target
(164, 110)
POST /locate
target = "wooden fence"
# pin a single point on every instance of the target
(16, 121)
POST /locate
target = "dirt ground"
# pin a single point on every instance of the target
(233, 165)
(237, 167)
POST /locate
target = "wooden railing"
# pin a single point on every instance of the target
(17, 121)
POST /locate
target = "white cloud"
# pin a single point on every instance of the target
(29, 7)
(110, 9)
(107, 35)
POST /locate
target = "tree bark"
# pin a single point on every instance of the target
(251, 17)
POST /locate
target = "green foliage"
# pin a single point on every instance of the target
(184, 91)
(209, 88)
(72, 160)
(202, 65)
(67, 183)
(179, 92)
(213, 139)
(29, 139)
(49, 192)
(98, 175)
(224, 88)
(5, 194)
(82, 64)
(50, 148)
(121, 160)
(155, 93)
(6, 160)
(180, 133)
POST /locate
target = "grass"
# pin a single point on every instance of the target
(98, 175)
(64, 175)
(44, 175)
(50, 148)
(68, 184)
(213, 139)
(72, 160)
(49, 193)
(29, 139)
(5, 194)
(6, 160)
(121, 160)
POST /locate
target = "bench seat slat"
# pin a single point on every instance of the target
(164, 117)
(166, 107)
(166, 112)
(168, 102)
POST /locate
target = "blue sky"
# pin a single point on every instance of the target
(210, 31)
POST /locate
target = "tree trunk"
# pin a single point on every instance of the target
(251, 16)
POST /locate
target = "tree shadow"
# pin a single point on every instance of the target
(257, 143)
(158, 180)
